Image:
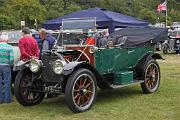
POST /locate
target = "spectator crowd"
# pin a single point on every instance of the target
(28, 48)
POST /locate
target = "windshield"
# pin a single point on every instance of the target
(71, 39)
(78, 23)
(76, 31)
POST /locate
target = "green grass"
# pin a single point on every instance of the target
(121, 104)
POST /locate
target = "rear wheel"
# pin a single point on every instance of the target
(151, 75)
(27, 88)
(80, 93)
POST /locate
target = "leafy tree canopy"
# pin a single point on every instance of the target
(13, 11)
(27, 10)
(56, 8)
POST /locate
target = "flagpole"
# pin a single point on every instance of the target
(166, 12)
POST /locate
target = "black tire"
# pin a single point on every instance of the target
(22, 92)
(81, 90)
(151, 75)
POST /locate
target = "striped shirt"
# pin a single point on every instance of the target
(6, 54)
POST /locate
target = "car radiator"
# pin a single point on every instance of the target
(48, 74)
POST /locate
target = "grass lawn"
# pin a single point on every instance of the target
(121, 104)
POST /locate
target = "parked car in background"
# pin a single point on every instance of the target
(77, 70)
(36, 36)
(13, 39)
(159, 44)
(176, 25)
(173, 43)
(174, 30)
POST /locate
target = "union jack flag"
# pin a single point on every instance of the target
(162, 7)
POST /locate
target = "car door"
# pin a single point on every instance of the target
(111, 60)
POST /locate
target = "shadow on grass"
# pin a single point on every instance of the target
(58, 104)
(122, 93)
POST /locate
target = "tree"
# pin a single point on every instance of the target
(144, 9)
(1, 3)
(13, 11)
(145, 14)
(27, 10)
(85, 4)
(174, 14)
(6, 22)
(57, 8)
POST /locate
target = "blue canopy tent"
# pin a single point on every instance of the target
(104, 18)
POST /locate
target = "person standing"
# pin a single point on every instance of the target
(6, 60)
(28, 45)
(48, 40)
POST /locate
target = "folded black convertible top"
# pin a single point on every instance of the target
(141, 36)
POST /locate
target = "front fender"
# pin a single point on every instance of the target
(20, 65)
(69, 68)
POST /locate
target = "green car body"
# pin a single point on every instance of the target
(120, 62)
(127, 58)
(112, 67)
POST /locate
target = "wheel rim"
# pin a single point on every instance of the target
(28, 95)
(152, 77)
(83, 91)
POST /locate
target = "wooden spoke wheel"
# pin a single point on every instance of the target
(81, 90)
(151, 77)
(25, 87)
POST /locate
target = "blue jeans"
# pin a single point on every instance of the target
(5, 90)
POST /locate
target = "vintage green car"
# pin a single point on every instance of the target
(77, 70)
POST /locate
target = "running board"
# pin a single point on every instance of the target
(131, 83)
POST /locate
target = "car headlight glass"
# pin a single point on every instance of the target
(34, 65)
(58, 66)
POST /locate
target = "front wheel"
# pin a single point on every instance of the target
(81, 90)
(27, 88)
(151, 75)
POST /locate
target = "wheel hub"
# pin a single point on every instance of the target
(152, 77)
(83, 91)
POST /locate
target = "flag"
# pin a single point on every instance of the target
(162, 7)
